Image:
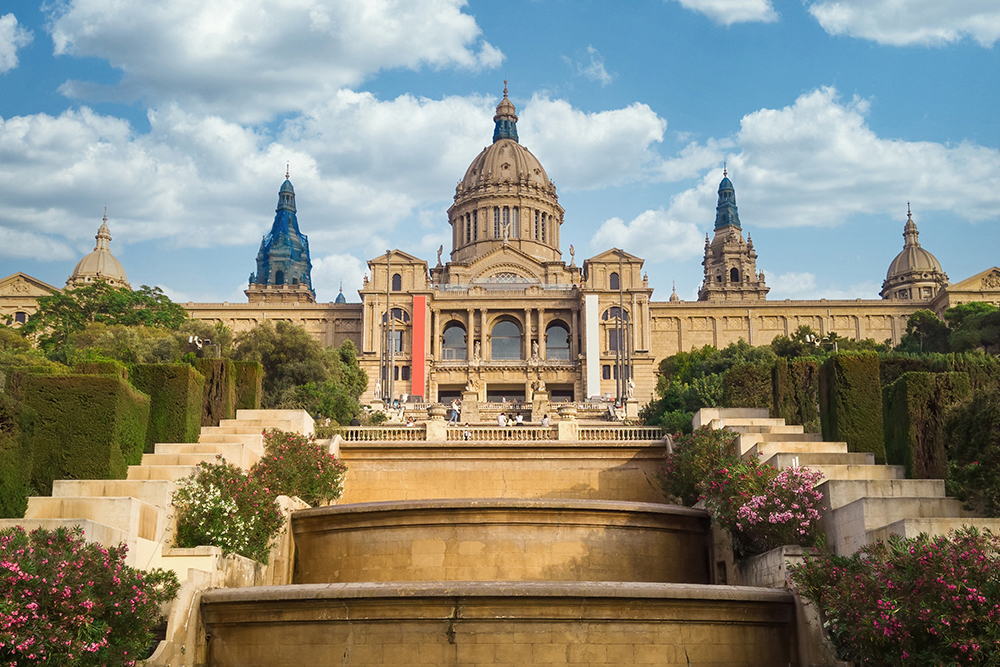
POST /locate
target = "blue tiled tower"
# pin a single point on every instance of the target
(284, 270)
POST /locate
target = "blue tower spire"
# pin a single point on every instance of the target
(283, 259)
(726, 213)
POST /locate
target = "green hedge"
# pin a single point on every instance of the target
(983, 369)
(914, 409)
(851, 402)
(176, 395)
(249, 384)
(748, 386)
(14, 385)
(795, 385)
(220, 390)
(14, 460)
(82, 427)
(106, 367)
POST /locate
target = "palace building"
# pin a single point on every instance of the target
(506, 316)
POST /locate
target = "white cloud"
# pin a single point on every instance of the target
(593, 70)
(728, 12)
(655, 235)
(805, 286)
(903, 22)
(252, 59)
(592, 150)
(12, 37)
(330, 271)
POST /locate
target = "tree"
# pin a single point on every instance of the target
(300, 374)
(71, 310)
(973, 326)
(925, 333)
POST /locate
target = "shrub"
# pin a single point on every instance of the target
(748, 386)
(915, 407)
(249, 384)
(220, 505)
(796, 392)
(851, 402)
(220, 390)
(15, 460)
(82, 427)
(67, 601)
(294, 465)
(922, 602)
(693, 456)
(973, 437)
(176, 394)
(762, 507)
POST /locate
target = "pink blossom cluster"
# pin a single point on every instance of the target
(68, 601)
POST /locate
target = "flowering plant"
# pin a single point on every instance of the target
(66, 601)
(762, 507)
(295, 465)
(693, 456)
(921, 602)
(221, 505)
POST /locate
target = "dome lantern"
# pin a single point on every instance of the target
(505, 119)
(100, 265)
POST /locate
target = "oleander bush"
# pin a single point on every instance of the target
(66, 601)
(920, 602)
(693, 456)
(762, 507)
(295, 465)
(221, 505)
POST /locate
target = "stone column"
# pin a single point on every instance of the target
(482, 332)
(574, 336)
(437, 428)
(568, 426)
(541, 332)
(470, 332)
(527, 333)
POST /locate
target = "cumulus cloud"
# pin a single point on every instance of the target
(728, 12)
(904, 22)
(655, 235)
(12, 38)
(331, 271)
(805, 286)
(254, 59)
(592, 150)
(816, 163)
(593, 70)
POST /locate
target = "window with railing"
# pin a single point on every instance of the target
(454, 346)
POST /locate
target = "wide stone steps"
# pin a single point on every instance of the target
(253, 440)
(766, 450)
(124, 513)
(159, 472)
(153, 492)
(864, 502)
(195, 453)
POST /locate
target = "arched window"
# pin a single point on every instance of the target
(496, 222)
(454, 347)
(397, 282)
(536, 225)
(734, 275)
(468, 228)
(515, 233)
(613, 313)
(614, 282)
(557, 341)
(543, 228)
(506, 340)
(399, 315)
(475, 225)
(279, 278)
(20, 317)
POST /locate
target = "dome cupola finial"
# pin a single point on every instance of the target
(286, 195)
(505, 119)
(726, 213)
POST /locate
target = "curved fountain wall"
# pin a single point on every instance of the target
(501, 581)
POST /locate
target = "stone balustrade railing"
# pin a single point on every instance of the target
(503, 433)
(383, 433)
(622, 433)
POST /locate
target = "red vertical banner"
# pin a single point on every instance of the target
(419, 376)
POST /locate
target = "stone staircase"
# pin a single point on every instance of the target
(137, 510)
(864, 502)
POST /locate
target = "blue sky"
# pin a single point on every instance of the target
(180, 115)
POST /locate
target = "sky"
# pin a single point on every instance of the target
(180, 117)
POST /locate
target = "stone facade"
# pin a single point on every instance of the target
(507, 317)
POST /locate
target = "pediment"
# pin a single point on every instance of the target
(22, 285)
(398, 257)
(612, 256)
(506, 264)
(984, 281)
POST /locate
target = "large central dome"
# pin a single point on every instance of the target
(505, 197)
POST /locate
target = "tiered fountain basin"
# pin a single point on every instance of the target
(502, 540)
(479, 624)
(417, 470)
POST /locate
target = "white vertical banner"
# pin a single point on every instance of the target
(592, 345)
